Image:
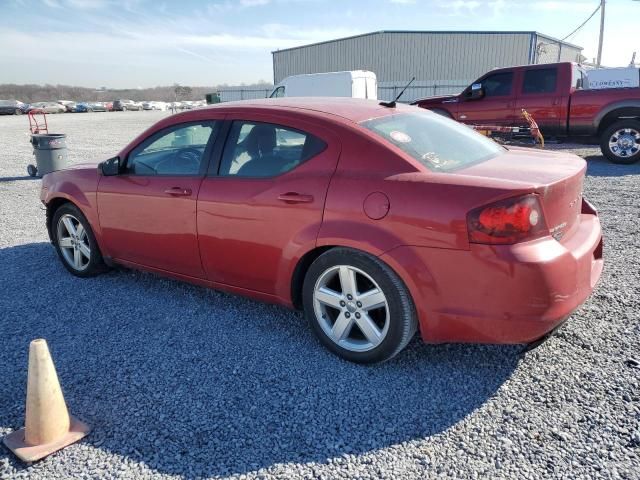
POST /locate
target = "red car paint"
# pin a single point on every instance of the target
(567, 111)
(250, 235)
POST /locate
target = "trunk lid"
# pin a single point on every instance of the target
(556, 177)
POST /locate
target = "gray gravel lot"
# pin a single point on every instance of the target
(180, 381)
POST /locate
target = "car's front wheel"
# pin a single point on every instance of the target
(75, 243)
(620, 142)
(18, 111)
(357, 306)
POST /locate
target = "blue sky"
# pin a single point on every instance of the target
(142, 43)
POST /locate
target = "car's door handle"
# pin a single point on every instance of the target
(178, 191)
(295, 197)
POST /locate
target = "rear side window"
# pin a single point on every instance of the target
(540, 80)
(256, 149)
(438, 143)
(498, 85)
(578, 78)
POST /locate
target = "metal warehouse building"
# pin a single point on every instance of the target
(442, 62)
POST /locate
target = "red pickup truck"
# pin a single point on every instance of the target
(557, 97)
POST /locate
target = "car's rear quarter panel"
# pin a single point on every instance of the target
(425, 228)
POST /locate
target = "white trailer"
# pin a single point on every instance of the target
(356, 84)
(624, 77)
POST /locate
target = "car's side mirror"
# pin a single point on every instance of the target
(110, 167)
(476, 91)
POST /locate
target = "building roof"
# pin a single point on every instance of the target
(445, 32)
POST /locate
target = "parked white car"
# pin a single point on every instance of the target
(355, 84)
(154, 106)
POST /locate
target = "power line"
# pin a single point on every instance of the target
(583, 23)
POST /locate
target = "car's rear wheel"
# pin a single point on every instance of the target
(75, 243)
(124, 109)
(357, 306)
(620, 142)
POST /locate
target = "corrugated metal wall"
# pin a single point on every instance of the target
(230, 94)
(456, 58)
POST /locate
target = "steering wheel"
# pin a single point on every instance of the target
(140, 162)
(186, 160)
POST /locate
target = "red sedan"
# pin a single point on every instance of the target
(376, 220)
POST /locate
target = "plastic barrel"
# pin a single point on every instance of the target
(50, 151)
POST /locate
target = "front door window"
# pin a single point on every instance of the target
(178, 151)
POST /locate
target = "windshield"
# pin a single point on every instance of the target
(438, 143)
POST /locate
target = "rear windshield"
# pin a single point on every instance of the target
(438, 143)
(7, 103)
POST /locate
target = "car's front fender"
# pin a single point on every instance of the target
(78, 186)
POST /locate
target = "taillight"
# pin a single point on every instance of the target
(507, 221)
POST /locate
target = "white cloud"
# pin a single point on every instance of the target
(52, 3)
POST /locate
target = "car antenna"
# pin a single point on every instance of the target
(392, 104)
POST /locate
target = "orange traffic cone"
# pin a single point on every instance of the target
(48, 425)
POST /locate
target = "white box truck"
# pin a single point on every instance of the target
(624, 77)
(355, 84)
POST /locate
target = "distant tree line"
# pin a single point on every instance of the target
(42, 93)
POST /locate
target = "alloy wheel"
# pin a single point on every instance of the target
(351, 308)
(625, 142)
(73, 241)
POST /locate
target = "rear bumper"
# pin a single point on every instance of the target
(501, 294)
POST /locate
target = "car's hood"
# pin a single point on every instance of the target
(83, 166)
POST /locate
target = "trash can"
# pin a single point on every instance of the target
(51, 153)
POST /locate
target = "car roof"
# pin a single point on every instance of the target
(352, 109)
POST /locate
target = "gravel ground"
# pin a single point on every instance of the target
(180, 381)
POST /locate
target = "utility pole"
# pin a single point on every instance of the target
(598, 62)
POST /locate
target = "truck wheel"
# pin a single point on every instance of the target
(620, 142)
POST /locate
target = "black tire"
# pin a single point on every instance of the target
(610, 132)
(32, 170)
(95, 264)
(402, 319)
(124, 109)
(18, 111)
